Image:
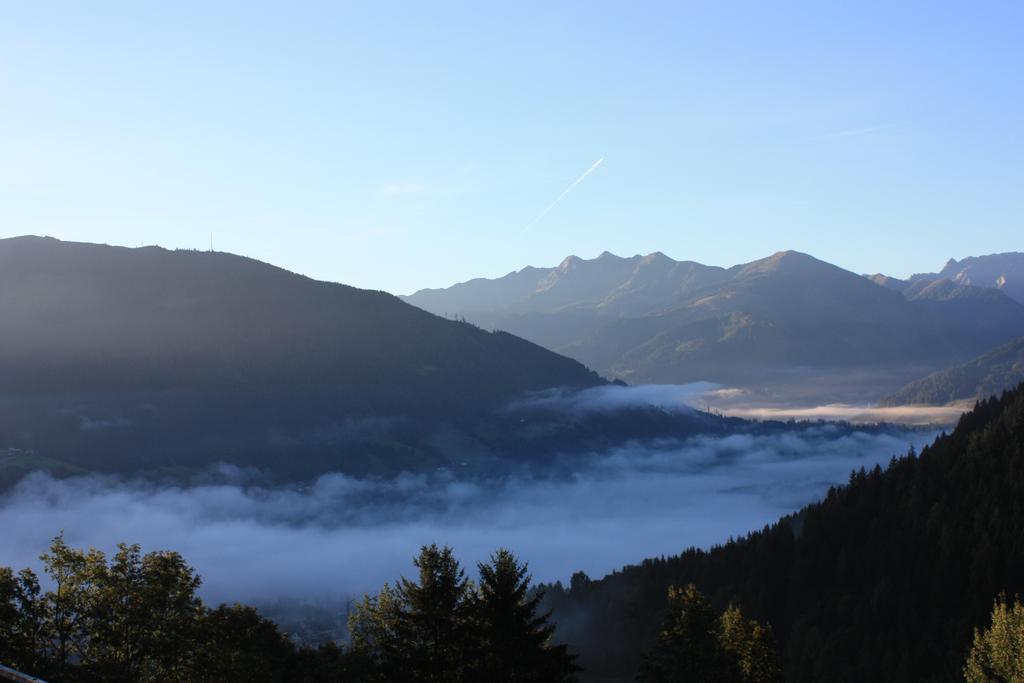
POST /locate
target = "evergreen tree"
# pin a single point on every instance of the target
(513, 639)
(997, 655)
(435, 624)
(418, 630)
(442, 628)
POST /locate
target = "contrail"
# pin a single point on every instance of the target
(567, 190)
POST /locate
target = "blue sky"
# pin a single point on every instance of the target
(399, 146)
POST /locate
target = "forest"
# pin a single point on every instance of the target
(135, 617)
(884, 579)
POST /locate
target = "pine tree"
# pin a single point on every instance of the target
(513, 640)
(418, 630)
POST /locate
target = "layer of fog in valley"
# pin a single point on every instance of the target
(821, 397)
(757, 402)
(341, 536)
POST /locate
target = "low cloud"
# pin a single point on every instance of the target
(342, 536)
(614, 398)
(909, 415)
(733, 401)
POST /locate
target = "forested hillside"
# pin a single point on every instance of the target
(882, 580)
(988, 374)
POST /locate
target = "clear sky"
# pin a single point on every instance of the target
(406, 145)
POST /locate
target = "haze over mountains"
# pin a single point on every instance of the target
(164, 363)
(149, 360)
(653, 319)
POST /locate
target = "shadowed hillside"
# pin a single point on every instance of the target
(136, 359)
(88, 317)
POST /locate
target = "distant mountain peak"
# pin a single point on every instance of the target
(784, 261)
(792, 255)
(1004, 271)
(656, 257)
(888, 282)
(570, 261)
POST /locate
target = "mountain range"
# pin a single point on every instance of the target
(1004, 272)
(653, 319)
(165, 362)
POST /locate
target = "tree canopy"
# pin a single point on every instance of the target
(997, 655)
(445, 628)
(698, 644)
(137, 617)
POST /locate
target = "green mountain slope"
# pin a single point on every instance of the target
(884, 580)
(988, 374)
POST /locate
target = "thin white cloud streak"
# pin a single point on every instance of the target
(747, 403)
(343, 536)
(858, 132)
(567, 191)
(909, 415)
(730, 401)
